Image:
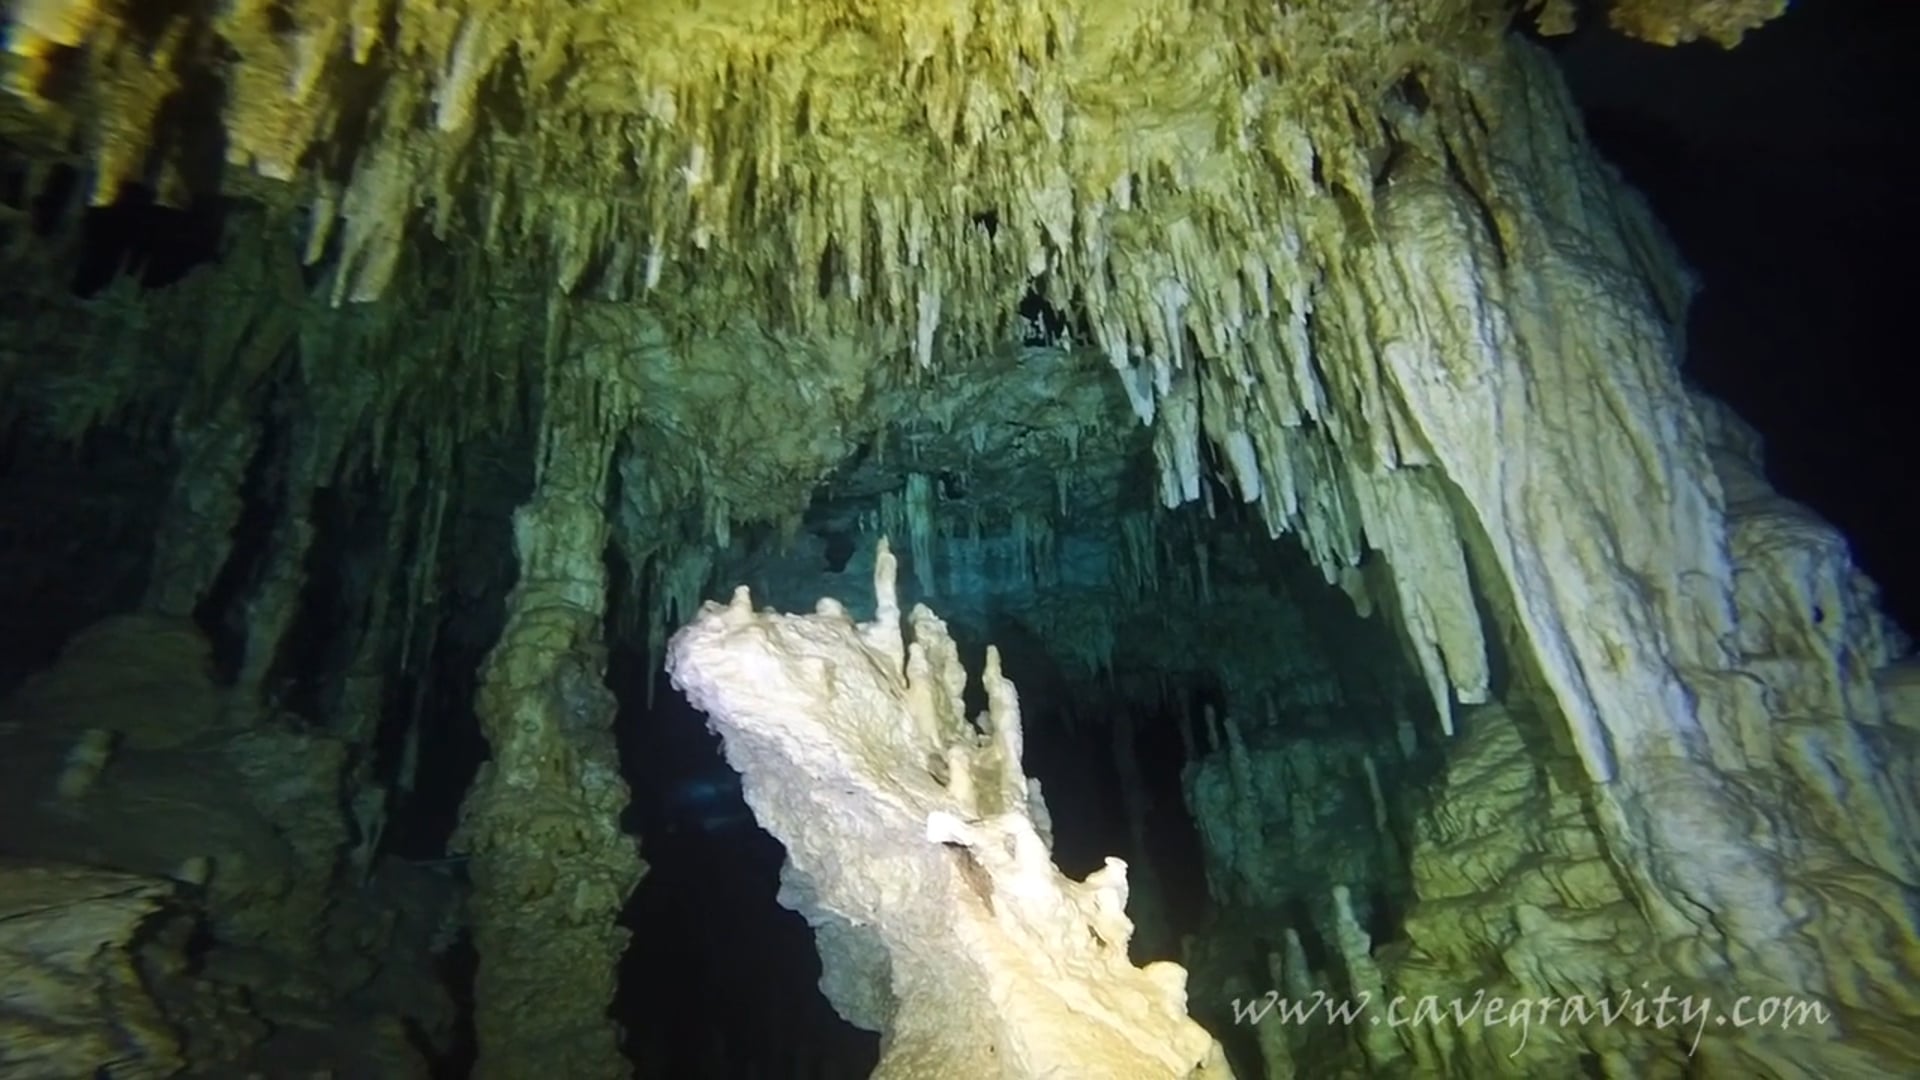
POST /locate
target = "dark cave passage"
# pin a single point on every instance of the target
(719, 979)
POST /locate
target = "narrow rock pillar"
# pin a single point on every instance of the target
(203, 505)
(550, 867)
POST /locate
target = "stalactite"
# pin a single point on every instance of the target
(1406, 736)
(550, 866)
(360, 706)
(1189, 750)
(1404, 515)
(356, 711)
(1375, 796)
(421, 580)
(922, 530)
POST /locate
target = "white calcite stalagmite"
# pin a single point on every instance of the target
(913, 845)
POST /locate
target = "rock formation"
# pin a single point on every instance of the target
(223, 937)
(1293, 373)
(913, 845)
(75, 998)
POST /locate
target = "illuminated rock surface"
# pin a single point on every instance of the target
(74, 996)
(910, 831)
(1295, 375)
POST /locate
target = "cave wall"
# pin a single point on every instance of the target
(1366, 280)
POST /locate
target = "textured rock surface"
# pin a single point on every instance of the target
(140, 761)
(551, 868)
(76, 1003)
(1285, 816)
(1668, 22)
(909, 832)
(126, 755)
(1515, 898)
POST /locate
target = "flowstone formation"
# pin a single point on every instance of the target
(917, 848)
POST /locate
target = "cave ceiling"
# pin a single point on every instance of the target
(1072, 260)
(834, 165)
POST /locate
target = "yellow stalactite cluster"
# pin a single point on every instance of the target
(1185, 180)
(1173, 175)
(1675, 22)
(851, 150)
(1667, 22)
(1254, 212)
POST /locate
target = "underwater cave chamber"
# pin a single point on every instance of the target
(1276, 447)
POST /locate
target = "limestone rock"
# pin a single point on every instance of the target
(75, 1002)
(1353, 263)
(235, 818)
(162, 662)
(996, 964)
(1301, 817)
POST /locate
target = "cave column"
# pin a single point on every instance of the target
(551, 869)
(195, 535)
(358, 709)
(275, 601)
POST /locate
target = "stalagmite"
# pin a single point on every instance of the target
(1363, 978)
(1298, 974)
(1277, 1039)
(996, 965)
(551, 867)
(84, 763)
